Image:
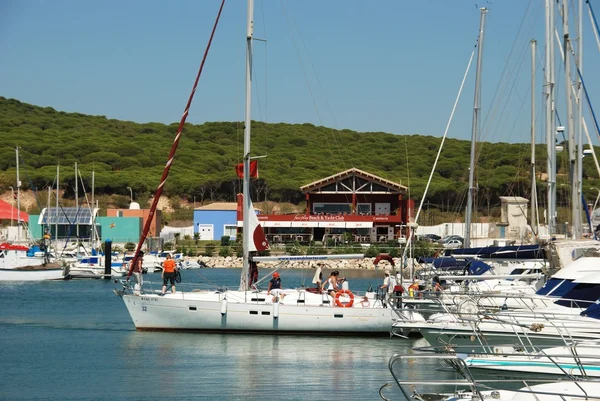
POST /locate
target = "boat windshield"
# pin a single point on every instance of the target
(556, 287)
(580, 296)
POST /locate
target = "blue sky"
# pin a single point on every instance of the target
(387, 65)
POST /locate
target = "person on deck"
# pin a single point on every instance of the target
(168, 274)
(252, 273)
(275, 287)
(332, 283)
(137, 273)
(390, 285)
(318, 277)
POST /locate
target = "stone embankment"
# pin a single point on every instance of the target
(362, 264)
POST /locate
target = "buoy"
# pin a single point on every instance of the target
(224, 306)
(340, 303)
(275, 310)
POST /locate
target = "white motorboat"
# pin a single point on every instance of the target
(466, 388)
(93, 267)
(20, 263)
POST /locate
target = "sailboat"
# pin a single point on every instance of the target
(24, 263)
(249, 309)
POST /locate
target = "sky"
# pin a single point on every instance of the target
(381, 65)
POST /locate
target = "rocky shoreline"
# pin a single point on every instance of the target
(356, 264)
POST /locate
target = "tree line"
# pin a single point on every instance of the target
(127, 154)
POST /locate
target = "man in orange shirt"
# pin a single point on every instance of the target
(168, 274)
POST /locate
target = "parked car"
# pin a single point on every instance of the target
(431, 237)
(448, 238)
(453, 244)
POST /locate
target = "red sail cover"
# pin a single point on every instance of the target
(7, 212)
(259, 241)
(239, 169)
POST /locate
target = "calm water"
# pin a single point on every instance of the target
(74, 340)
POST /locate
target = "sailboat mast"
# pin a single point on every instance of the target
(550, 119)
(77, 204)
(247, 130)
(475, 128)
(573, 165)
(57, 195)
(18, 198)
(534, 212)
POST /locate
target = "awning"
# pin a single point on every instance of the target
(276, 223)
(332, 224)
(359, 224)
(305, 224)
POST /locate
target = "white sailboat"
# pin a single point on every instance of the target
(251, 310)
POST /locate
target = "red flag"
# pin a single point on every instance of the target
(239, 169)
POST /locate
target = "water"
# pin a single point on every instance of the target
(74, 340)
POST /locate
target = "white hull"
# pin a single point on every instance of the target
(31, 275)
(208, 312)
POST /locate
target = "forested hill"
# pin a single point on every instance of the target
(127, 154)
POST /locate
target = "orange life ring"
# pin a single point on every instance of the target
(347, 304)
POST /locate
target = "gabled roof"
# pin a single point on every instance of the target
(219, 206)
(7, 212)
(317, 186)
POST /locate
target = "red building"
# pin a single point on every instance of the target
(356, 203)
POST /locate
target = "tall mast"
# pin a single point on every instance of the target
(77, 205)
(534, 212)
(92, 234)
(573, 174)
(475, 129)
(57, 189)
(579, 116)
(247, 129)
(550, 119)
(18, 199)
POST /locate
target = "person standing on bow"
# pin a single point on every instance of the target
(137, 273)
(168, 274)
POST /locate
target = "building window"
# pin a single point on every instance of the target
(363, 208)
(230, 230)
(332, 208)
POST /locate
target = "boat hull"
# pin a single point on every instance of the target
(178, 312)
(37, 274)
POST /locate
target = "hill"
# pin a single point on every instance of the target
(126, 154)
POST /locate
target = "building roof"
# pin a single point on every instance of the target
(7, 212)
(67, 216)
(513, 199)
(219, 206)
(318, 186)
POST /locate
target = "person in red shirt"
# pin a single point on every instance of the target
(168, 274)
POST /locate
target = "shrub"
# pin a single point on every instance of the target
(209, 249)
(293, 249)
(316, 250)
(372, 251)
(130, 246)
(225, 240)
(168, 246)
(225, 251)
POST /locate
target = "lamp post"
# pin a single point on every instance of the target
(130, 194)
(12, 204)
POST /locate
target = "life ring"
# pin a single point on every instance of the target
(347, 304)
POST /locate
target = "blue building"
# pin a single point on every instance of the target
(216, 220)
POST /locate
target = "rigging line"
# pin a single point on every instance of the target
(310, 90)
(165, 173)
(512, 49)
(594, 22)
(437, 157)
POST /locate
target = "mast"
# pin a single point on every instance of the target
(475, 128)
(247, 130)
(573, 165)
(18, 199)
(579, 116)
(550, 119)
(77, 206)
(57, 186)
(92, 234)
(534, 212)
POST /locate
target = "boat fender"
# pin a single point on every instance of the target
(340, 303)
(275, 310)
(224, 307)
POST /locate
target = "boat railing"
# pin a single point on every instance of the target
(460, 382)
